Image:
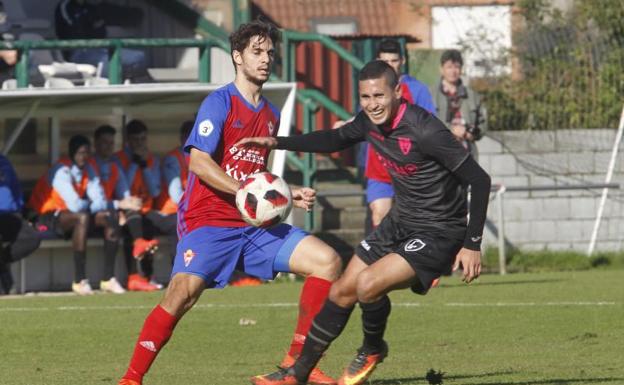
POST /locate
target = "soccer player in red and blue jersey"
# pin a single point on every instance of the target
(213, 239)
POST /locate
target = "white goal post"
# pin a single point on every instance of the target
(605, 191)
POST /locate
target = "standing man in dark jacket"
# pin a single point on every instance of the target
(458, 105)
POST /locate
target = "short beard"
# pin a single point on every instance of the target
(254, 80)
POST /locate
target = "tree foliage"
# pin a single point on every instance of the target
(571, 66)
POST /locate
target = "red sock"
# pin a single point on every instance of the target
(313, 295)
(156, 331)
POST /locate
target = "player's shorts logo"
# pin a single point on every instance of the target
(205, 128)
(414, 245)
(188, 257)
(365, 245)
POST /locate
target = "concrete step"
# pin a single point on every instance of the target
(341, 218)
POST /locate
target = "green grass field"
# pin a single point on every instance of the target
(549, 328)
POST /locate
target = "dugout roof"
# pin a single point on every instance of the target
(153, 99)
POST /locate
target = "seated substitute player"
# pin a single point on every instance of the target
(174, 174)
(142, 171)
(424, 235)
(65, 196)
(213, 238)
(114, 184)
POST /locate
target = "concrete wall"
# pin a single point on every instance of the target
(555, 220)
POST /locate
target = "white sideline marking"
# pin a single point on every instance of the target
(293, 304)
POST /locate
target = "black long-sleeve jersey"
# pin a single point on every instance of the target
(428, 167)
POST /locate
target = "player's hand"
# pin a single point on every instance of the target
(340, 123)
(130, 203)
(259, 141)
(471, 263)
(459, 131)
(304, 198)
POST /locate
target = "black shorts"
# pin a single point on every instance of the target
(428, 252)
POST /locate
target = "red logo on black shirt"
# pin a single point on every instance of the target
(406, 145)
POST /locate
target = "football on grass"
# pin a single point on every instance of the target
(264, 199)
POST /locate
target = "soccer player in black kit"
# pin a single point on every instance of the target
(426, 233)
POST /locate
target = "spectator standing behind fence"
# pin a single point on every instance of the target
(114, 184)
(458, 105)
(142, 170)
(65, 197)
(80, 19)
(17, 237)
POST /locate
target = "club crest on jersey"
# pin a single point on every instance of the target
(405, 144)
(205, 128)
(414, 245)
(188, 257)
(271, 127)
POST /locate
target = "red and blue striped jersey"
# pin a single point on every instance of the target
(224, 118)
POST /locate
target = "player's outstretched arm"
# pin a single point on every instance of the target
(202, 165)
(323, 141)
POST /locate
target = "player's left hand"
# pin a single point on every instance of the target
(259, 141)
(304, 198)
(471, 263)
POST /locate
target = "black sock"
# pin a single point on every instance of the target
(80, 261)
(326, 327)
(110, 252)
(374, 319)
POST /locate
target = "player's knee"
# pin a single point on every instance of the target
(342, 295)
(82, 219)
(180, 296)
(367, 287)
(328, 264)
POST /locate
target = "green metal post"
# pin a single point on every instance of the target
(204, 63)
(356, 50)
(240, 12)
(309, 124)
(292, 62)
(369, 50)
(404, 67)
(21, 69)
(285, 56)
(114, 63)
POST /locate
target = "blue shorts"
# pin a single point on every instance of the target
(377, 190)
(214, 252)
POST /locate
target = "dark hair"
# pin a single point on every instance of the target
(239, 39)
(135, 127)
(452, 55)
(186, 127)
(389, 46)
(104, 130)
(376, 69)
(75, 142)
